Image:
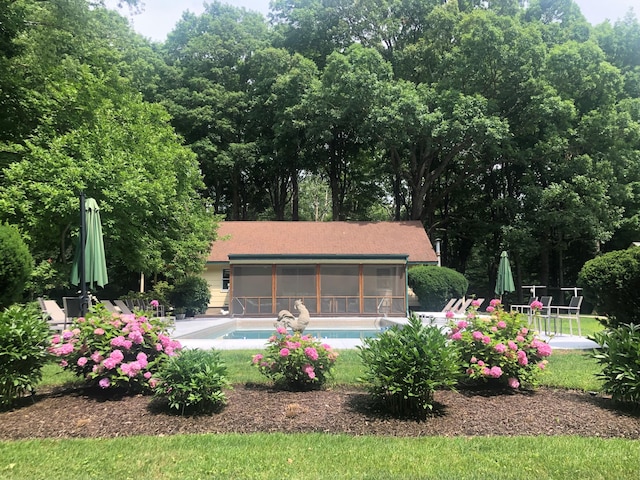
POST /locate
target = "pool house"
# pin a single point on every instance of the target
(256, 269)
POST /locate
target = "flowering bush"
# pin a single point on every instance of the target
(115, 351)
(296, 362)
(499, 348)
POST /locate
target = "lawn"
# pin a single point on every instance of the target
(298, 456)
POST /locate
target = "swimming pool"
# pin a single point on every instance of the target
(263, 330)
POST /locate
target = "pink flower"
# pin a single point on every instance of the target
(496, 372)
(495, 302)
(513, 382)
(308, 369)
(55, 339)
(486, 340)
(544, 349)
(481, 363)
(494, 329)
(104, 382)
(462, 324)
(449, 314)
(136, 337)
(500, 348)
(117, 356)
(153, 382)
(96, 357)
(281, 330)
(476, 303)
(522, 358)
(154, 303)
(109, 363)
(512, 345)
(542, 365)
(82, 361)
(474, 359)
(520, 339)
(147, 375)
(98, 331)
(311, 353)
(490, 309)
(284, 352)
(536, 305)
(64, 363)
(456, 336)
(257, 357)
(141, 358)
(477, 335)
(292, 345)
(67, 334)
(486, 372)
(501, 324)
(524, 330)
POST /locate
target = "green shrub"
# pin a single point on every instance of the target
(499, 350)
(193, 381)
(123, 352)
(296, 362)
(611, 283)
(434, 286)
(619, 356)
(191, 294)
(24, 337)
(16, 265)
(405, 365)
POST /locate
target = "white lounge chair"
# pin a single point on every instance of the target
(55, 315)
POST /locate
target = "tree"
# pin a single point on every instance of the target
(16, 265)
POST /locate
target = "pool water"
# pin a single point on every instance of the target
(315, 332)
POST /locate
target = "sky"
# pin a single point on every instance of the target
(160, 16)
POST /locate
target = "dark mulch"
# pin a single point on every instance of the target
(258, 408)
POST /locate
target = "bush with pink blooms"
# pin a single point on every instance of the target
(115, 351)
(499, 348)
(296, 362)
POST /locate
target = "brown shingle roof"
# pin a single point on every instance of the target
(322, 238)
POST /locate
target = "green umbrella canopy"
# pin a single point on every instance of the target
(95, 264)
(504, 282)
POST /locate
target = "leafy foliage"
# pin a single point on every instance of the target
(24, 337)
(192, 294)
(405, 365)
(434, 286)
(193, 381)
(296, 362)
(16, 265)
(611, 282)
(619, 357)
(500, 349)
(115, 351)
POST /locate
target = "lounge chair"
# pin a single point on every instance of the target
(571, 312)
(461, 305)
(55, 315)
(109, 306)
(123, 307)
(450, 305)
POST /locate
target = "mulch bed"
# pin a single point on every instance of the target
(349, 410)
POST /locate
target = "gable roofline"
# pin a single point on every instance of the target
(322, 240)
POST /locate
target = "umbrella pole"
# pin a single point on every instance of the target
(84, 298)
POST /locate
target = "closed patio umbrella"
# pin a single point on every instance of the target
(504, 282)
(89, 263)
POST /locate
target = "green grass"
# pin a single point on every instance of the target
(321, 456)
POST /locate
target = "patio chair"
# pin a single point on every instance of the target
(571, 312)
(450, 305)
(461, 305)
(544, 315)
(55, 315)
(72, 308)
(108, 304)
(122, 307)
(525, 307)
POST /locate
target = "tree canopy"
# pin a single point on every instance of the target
(499, 125)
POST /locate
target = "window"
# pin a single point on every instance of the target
(226, 273)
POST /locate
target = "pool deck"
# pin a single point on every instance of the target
(185, 331)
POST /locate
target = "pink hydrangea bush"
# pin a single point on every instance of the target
(499, 348)
(296, 362)
(115, 351)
